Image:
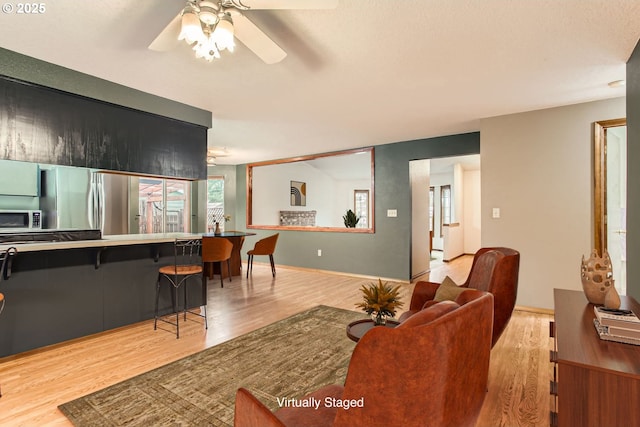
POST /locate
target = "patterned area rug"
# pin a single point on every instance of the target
(288, 358)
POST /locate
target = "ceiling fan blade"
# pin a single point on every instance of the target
(259, 43)
(288, 4)
(168, 38)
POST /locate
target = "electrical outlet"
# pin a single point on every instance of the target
(319, 252)
(496, 212)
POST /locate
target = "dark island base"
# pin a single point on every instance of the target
(54, 296)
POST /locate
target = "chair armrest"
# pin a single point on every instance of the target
(423, 292)
(250, 412)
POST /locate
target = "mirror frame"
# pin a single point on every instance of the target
(600, 180)
(249, 213)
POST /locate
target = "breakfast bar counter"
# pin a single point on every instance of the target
(63, 290)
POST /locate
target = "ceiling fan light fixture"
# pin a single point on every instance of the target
(207, 49)
(223, 34)
(191, 30)
(208, 12)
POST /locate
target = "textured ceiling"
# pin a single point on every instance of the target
(368, 72)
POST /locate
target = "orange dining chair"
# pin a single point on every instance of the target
(217, 249)
(266, 246)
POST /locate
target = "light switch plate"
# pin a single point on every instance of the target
(392, 213)
(496, 212)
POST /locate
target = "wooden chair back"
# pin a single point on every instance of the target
(266, 246)
(215, 249)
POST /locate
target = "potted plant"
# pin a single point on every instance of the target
(380, 301)
(350, 219)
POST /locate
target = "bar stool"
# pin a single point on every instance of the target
(186, 264)
(217, 249)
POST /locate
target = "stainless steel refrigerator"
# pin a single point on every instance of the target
(80, 198)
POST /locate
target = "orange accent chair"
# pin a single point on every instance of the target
(494, 270)
(217, 249)
(266, 246)
(430, 370)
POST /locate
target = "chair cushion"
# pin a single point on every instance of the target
(448, 290)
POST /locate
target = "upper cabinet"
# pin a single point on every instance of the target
(44, 125)
(19, 179)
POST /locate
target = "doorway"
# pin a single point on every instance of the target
(445, 210)
(610, 195)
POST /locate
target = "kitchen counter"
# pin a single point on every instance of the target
(59, 291)
(105, 241)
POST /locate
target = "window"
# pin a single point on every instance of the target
(445, 206)
(215, 202)
(361, 207)
(164, 206)
(432, 191)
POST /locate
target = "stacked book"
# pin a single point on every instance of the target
(617, 325)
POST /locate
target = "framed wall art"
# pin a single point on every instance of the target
(298, 193)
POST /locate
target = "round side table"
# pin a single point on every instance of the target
(355, 330)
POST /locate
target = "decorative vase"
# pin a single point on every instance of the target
(597, 277)
(612, 299)
(217, 231)
(379, 319)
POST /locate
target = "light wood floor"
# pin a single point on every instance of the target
(34, 384)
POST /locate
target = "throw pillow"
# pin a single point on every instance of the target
(448, 290)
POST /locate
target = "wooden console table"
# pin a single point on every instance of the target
(598, 382)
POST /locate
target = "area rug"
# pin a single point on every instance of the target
(288, 358)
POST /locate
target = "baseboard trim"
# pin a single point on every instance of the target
(335, 273)
(536, 310)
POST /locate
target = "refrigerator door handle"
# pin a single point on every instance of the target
(101, 202)
(91, 202)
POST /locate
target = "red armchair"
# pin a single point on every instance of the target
(494, 270)
(430, 370)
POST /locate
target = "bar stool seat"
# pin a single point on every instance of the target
(187, 264)
(180, 270)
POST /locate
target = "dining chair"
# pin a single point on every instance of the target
(266, 246)
(217, 249)
(186, 264)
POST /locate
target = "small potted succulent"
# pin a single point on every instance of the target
(380, 301)
(350, 219)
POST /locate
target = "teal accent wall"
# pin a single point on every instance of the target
(29, 69)
(386, 253)
(633, 174)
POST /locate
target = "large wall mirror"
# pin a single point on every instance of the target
(610, 194)
(313, 193)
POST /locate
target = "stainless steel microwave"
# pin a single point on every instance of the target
(18, 219)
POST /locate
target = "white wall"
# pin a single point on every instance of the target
(537, 168)
(420, 250)
(472, 212)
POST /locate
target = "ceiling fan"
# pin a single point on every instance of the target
(211, 26)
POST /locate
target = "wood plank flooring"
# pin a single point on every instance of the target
(35, 383)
